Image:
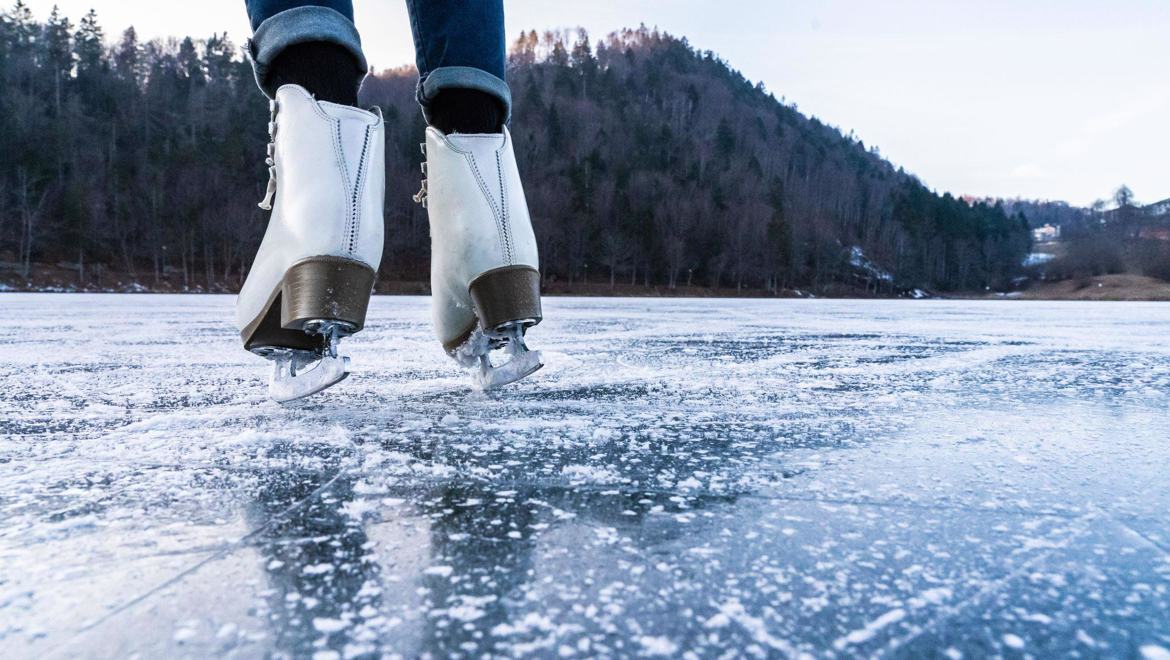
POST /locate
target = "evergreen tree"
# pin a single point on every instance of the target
(127, 58)
(58, 51)
(89, 45)
(24, 29)
(724, 139)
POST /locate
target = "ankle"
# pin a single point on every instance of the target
(324, 69)
(466, 111)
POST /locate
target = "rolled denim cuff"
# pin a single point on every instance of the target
(301, 25)
(462, 77)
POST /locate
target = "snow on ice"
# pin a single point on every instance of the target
(684, 478)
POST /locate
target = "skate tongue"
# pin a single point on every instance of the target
(522, 364)
(289, 382)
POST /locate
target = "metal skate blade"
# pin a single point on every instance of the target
(289, 382)
(522, 364)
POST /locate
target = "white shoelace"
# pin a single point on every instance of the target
(266, 203)
(420, 197)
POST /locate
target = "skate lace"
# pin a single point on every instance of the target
(270, 160)
(420, 197)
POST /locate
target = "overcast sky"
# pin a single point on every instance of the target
(1049, 99)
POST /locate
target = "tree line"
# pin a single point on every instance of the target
(647, 163)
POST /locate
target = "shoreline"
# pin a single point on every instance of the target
(1121, 287)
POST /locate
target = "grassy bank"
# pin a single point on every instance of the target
(1102, 287)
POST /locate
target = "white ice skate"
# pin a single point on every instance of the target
(485, 282)
(311, 281)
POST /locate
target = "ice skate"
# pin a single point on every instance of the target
(311, 281)
(485, 282)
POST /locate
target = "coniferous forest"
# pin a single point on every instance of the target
(647, 164)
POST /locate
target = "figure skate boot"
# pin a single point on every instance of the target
(311, 281)
(485, 278)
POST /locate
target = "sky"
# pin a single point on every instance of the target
(1042, 99)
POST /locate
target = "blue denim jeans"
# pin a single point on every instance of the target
(457, 43)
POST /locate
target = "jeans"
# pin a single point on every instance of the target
(457, 43)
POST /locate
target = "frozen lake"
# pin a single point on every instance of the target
(685, 478)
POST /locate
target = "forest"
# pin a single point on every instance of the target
(648, 164)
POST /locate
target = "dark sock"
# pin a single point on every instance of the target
(326, 69)
(466, 111)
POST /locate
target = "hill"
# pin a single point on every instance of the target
(646, 162)
(649, 161)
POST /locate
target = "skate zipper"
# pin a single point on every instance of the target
(356, 194)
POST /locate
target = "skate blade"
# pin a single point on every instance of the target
(289, 382)
(473, 354)
(520, 366)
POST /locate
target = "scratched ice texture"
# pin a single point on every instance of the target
(686, 478)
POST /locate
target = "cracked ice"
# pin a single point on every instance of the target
(685, 478)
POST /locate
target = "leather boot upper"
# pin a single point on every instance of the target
(326, 191)
(478, 218)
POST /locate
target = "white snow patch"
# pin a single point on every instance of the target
(227, 630)
(589, 474)
(1154, 652)
(870, 629)
(357, 509)
(1013, 641)
(657, 645)
(733, 610)
(325, 625)
(719, 620)
(363, 487)
(469, 608)
(531, 621)
(858, 260)
(935, 596)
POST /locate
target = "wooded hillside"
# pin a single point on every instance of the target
(645, 161)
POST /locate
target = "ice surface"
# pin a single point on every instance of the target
(770, 478)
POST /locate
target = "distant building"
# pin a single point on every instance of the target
(1046, 234)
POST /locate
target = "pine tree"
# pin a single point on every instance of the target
(190, 66)
(724, 140)
(89, 44)
(127, 58)
(219, 56)
(58, 53)
(24, 27)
